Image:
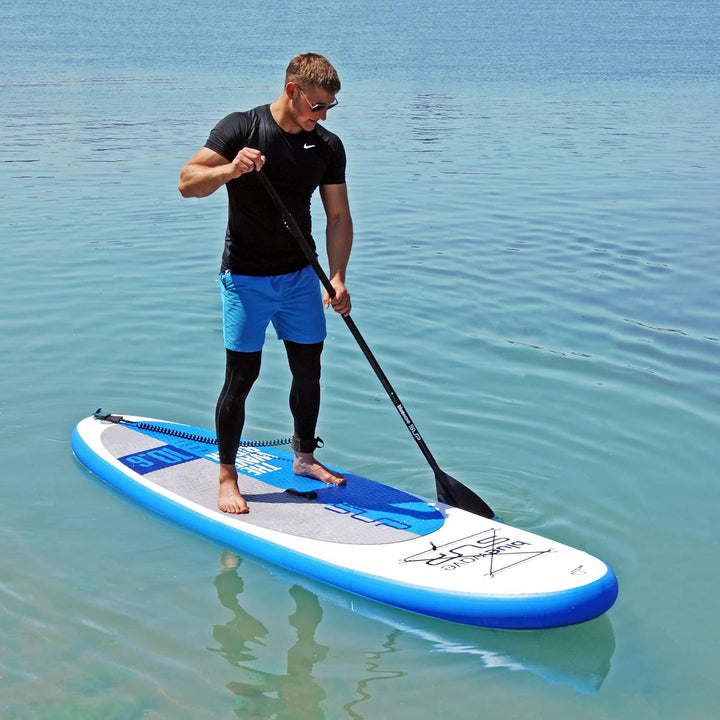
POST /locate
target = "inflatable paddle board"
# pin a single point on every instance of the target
(364, 537)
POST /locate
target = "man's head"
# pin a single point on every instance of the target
(311, 84)
(311, 70)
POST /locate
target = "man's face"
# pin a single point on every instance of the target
(310, 105)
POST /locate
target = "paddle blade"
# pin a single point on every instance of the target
(452, 492)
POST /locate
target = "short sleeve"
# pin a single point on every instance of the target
(335, 170)
(229, 136)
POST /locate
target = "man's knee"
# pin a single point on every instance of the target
(304, 360)
(242, 370)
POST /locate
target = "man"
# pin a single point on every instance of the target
(265, 277)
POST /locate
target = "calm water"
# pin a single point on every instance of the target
(535, 191)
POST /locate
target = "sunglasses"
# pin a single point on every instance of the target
(317, 107)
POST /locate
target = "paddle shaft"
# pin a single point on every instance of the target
(449, 490)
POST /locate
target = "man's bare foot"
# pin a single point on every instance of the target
(229, 498)
(306, 465)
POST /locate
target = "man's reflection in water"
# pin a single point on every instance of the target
(374, 661)
(290, 696)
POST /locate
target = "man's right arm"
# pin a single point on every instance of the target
(207, 170)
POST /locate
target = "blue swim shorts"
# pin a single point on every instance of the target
(292, 302)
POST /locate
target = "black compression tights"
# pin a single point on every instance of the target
(241, 371)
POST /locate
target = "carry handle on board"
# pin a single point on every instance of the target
(448, 489)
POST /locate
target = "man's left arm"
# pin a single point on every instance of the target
(339, 239)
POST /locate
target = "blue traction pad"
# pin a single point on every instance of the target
(363, 499)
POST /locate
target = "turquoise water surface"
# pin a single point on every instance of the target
(535, 192)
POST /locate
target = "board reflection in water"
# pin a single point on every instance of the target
(280, 662)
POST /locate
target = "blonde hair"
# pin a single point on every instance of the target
(313, 70)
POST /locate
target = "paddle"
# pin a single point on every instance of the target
(448, 489)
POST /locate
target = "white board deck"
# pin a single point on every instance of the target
(363, 537)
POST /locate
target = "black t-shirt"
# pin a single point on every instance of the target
(256, 241)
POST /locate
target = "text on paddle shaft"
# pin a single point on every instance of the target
(408, 422)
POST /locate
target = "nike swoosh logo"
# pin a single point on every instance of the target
(307, 147)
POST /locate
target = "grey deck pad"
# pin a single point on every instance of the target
(360, 512)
